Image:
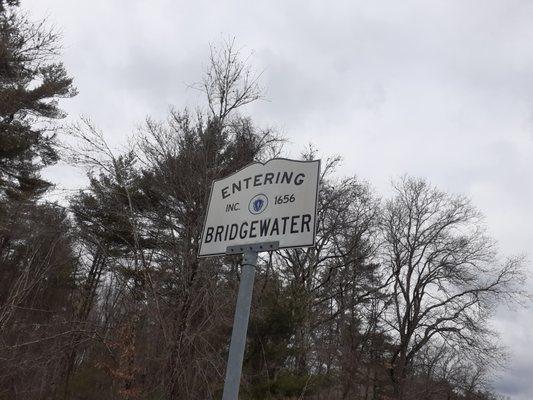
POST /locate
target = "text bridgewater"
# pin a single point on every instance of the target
(259, 228)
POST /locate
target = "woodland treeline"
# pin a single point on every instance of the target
(102, 295)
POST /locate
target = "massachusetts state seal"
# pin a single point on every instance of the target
(258, 204)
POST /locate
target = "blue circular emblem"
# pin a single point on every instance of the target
(258, 204)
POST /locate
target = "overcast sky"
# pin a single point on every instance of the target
(438, 89)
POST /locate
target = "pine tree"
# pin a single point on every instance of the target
(31, 82)
(37, 258)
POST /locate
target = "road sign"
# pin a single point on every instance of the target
(271, 202)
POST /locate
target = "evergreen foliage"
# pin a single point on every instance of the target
(31, 81)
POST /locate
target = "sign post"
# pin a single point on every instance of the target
(262, 207)
(242, 314)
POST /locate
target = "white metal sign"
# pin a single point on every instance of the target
(275, 201)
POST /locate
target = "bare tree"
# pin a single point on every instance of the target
(443, 275)
(229, 82)
(145, 208)
(330, 282)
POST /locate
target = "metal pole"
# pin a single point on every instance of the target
(240, 326)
